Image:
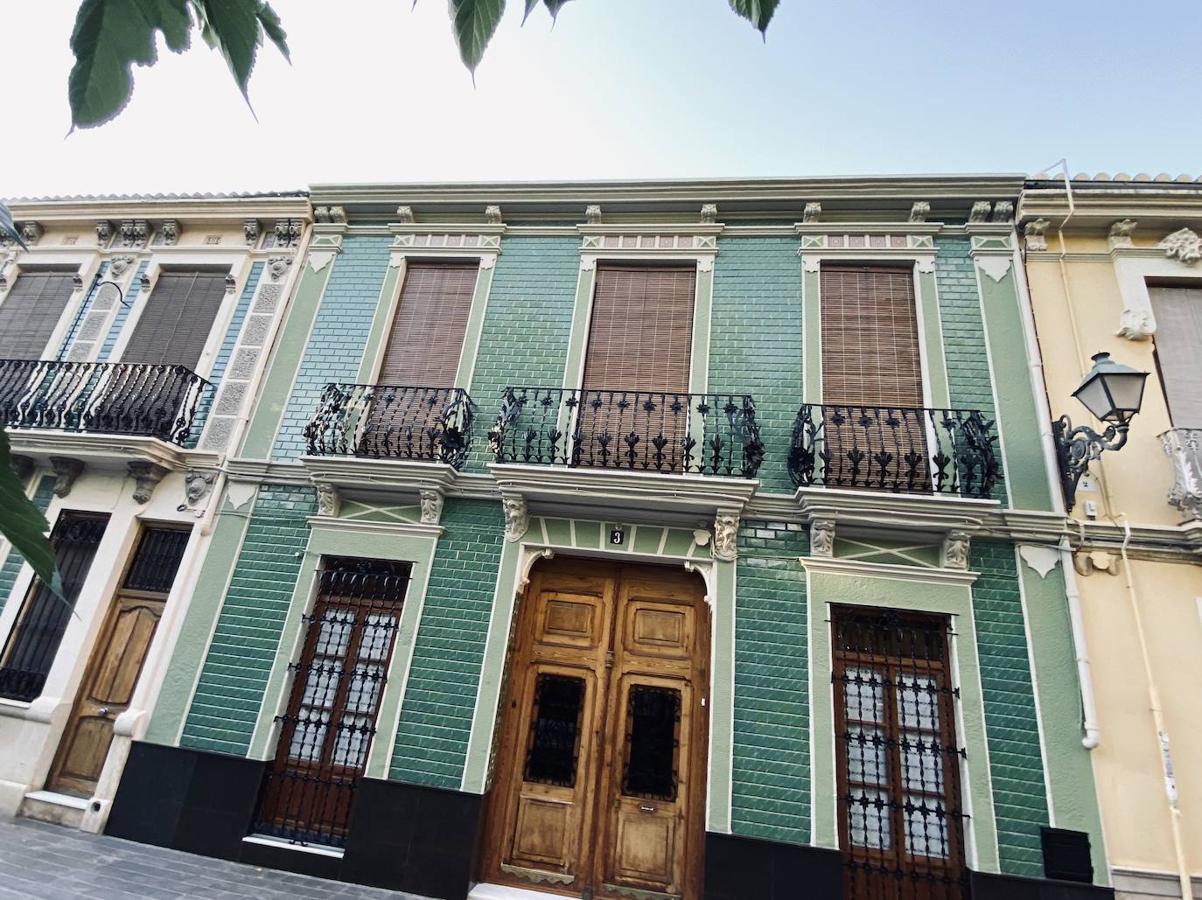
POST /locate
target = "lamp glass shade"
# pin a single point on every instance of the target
(1111, 391)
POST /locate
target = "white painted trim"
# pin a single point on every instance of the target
(485, 891)
(1043, 743)
(857, 569)
(56, 799)
(1132, 270)
(314, 849)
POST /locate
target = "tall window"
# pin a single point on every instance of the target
(427, 333)
(1178, 313)
(331, 717)
(43, 618)
(901, 822)
(174, 327)
(31, 311)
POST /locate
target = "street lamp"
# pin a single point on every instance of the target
(1113, 393)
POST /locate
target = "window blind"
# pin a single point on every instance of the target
(1178, 312)
(31, 311)
(641, 334)
(870, 352)
(174, 327)
(427, 332)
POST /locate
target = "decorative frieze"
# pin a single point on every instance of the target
(1183, 245)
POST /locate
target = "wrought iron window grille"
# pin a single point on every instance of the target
(101, 398)
(555, 723)
(645, 431)
(894, 449)
(387, 421)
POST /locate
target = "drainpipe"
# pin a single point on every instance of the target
(1089, 709)
(1162, 733)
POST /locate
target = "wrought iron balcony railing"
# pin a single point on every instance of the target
(101, 398)
(1184, 447)
(649, 431)
(895, 449)
(388, 421)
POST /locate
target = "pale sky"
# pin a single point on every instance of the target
(627, 89)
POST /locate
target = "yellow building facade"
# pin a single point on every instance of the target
(1114, 265)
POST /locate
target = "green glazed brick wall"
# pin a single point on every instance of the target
(771, 784)
(1019, 795)
(230, 691)
(964, 334)
(42, 496)
(526, 327)
(756, 340)
(440, 696)
(339, 336)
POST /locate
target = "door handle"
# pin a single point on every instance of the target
(646, 808)
(103, 712)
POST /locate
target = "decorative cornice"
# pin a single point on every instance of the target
(859, 569)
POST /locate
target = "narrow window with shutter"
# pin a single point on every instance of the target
(31, 311)
(175, 324)
(872, 395)
(427, 333)
(634, 396)
(1178, 312)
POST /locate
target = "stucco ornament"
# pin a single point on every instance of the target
(146, 476)
(822, 538)
(1136, 325)
(120, 264)
(592, 214)
(1120, 234)
(955, 550)
(709, 214)
(104, 232)
(404, 215)
(1003, 211)
(329, 502)
(431, 507)
(251, 230)
(812, 212)
(726, 535)
(277, 266)
(919, 211)
(1184, 245)
(1035, 233)
(517, 518)
(492, 214)
(66, 470)
(134, 233)
(1086, 562)
(31, 232)
(197, 485)
(980, 211)
(170, 230)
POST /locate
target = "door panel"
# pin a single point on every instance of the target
(108, 687)
(602, 730)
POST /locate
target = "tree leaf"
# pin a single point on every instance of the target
(23, 523)
(109, 37)
(232, 28)
(530, 4)
(274, 29)
(554, 6)
(757, 12)
(475, 22)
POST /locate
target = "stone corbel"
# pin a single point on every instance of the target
(431, 502)
(231, 283)
(66, 470)
(726, 535)
(517, 517)
(812, 213)
(104, 232)
(287, 232)
(251, 229)
(954, 553)
(31, 232)
(1003, 212)
(592, 214)
(492, 215)
(529, 558)
(404, 215)
(980, 212)
(1086, 562)
(134, 232)
(1184, 245)
(77, 282)
(1035, 234)
(277, 266)
(145, 283)
(146, 476)
(197, 485)
(22, 465)
(709, 214)
(822, 538)
(1136, 325)
(171, 231)
(119, 264)
(329, 501)
(1120, 234)
(919, 211)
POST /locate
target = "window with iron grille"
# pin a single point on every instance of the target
(31, 311)
(901, 821)
(328, 727)
(43, 618)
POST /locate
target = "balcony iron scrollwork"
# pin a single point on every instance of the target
(101, 398)
(1184, 447)
(387, 421)
(896, 449)
(645, 431)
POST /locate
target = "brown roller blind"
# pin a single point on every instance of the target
(1178, 312)
(175, 325)
(641, 334)
(870, 350)
(431, 318)
(31, 311)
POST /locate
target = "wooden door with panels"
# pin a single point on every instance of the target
(599, 789)
(112, 673)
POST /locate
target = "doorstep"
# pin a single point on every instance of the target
(53, 807)
(503, 892)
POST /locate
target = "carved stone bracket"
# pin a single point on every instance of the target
(955, 550)
(517, 518)
(104, 232)
(197, 485)
(251, 229)
(822, 538)
(329, 215)
(404, 215)
(287, 232)
(31, 232)
(492, 215)
(529, 559)
(431, 502)
(134, 232)
(1136, 325)
(726, 535)
(919, 211)
(329, 501)
(709, 214)
(146, 476)
(1086, 562)
(812, 212)
(22, 465)
(66, 470)
(277, 266)
(980, 211)
(119, 264)
(1184, 245)
(1035, 233)
(1003, 212)
(170, 230)
(231, 283)
(592, 214)
(1120, 234)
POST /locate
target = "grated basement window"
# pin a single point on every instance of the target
(901, 821)
(327, 729)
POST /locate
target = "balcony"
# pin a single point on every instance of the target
(148, 401)
(894, 450)
(1184, 447)
(639, 431)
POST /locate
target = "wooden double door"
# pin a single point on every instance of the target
(599, 787)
